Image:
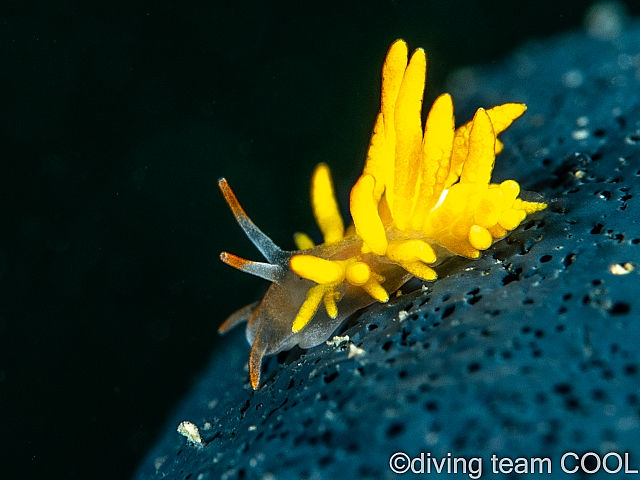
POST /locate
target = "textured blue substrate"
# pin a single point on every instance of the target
(530, 351)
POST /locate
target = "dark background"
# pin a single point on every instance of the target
(115, 122)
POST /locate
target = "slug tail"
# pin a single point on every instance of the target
(258, 350)
(238, 317)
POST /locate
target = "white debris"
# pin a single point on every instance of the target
(335, 341)
(622, 268)
(190, 431)
(580, 134)
(159, 461)
(355, 351)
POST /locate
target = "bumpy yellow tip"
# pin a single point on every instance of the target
(373, 288)
(501, 117)
(529, 207)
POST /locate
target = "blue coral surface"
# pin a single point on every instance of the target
(530, 351)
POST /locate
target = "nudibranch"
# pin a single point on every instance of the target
(424, 195)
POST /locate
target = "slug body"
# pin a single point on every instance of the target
(424, 195)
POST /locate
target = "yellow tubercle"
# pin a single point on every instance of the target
(479, 237)
(435, 161)
(325, 205)
(460, 247)
(497, 231)
(316, 269)
(511, 218)
(393, 71)
(380, 158)
(488, 207)
(310, 306)
(529, 207)
(510, 189)
(375, 290)
(419, 269)
(330, 298)
(358, 273)
(501, 117)
(303, 241)
(364, 210)
(478, 166)
(408, 126)
(411, 250)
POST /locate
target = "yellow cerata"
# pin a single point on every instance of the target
(424, 195)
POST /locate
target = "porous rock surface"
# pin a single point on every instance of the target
(530, 351)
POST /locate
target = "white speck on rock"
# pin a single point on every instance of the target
(335, 341)
(580, 134)
(190, 430)
(355, 351)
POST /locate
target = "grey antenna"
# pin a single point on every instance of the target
(269, 250)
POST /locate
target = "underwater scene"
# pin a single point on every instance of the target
(436, 204)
